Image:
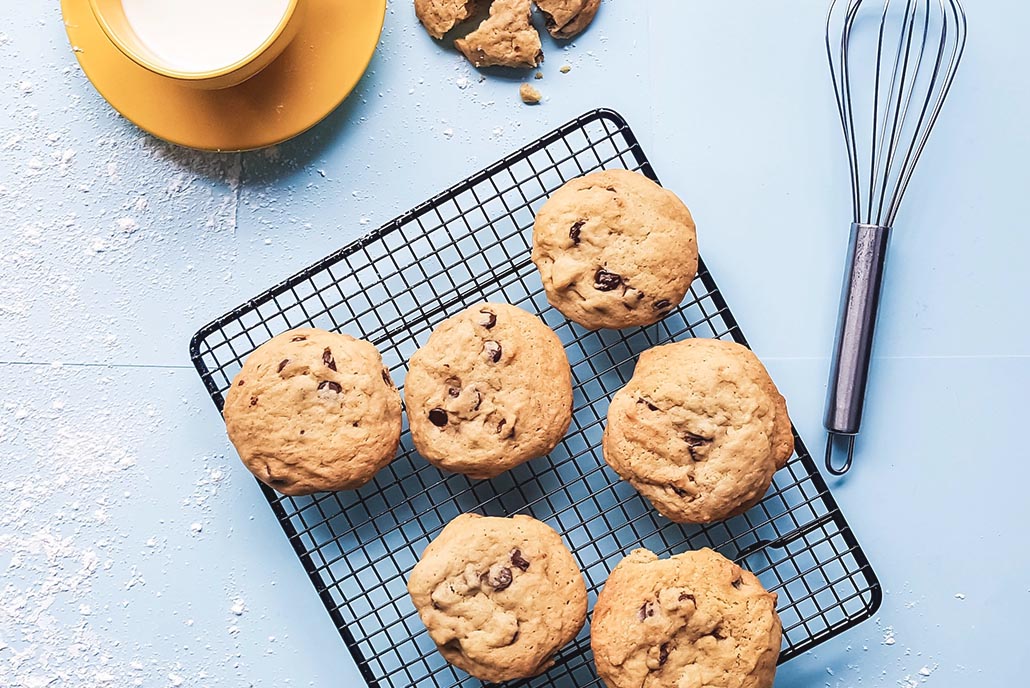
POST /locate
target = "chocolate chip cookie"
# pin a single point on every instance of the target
(490, 389)
(499, 596)
(312, 411)
(440, 16)
(506, 38)
(699, 430)
(695, 619)
(567, 18)
(614, 250)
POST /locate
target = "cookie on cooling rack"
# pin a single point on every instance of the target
(313, 410)
(694, 619)
(499, 596)
(614, 250)
(490, 390)
(699, 430)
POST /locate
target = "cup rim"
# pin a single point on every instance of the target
(112, 35)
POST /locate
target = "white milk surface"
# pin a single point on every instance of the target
(201, 35)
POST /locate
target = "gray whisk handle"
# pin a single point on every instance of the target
(856, 324)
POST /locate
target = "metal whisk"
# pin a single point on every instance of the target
(917, 46)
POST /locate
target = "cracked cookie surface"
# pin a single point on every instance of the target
(440, 16)
(699, 430)
(313, 410)
(490, 390)
(567, 18)
(614, 250)
(694, 620)
(499, 596)
(507, 38)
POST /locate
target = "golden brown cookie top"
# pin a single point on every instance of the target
(313, 410)
(694, 619)
(614, 250)
(699, 430)
(506, 38)
(491, 389)
(567, 18)
(499, 596)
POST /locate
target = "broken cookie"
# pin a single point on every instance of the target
(566, 18)
(506, 38)
(440, 16)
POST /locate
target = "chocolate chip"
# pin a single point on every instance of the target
(500, 426)
(694, 441)
(517, 560)
(575, 231)
(502, 580)
(253, 401)
(331, 386)
(479, 401)
(663, 654)
(737, 583)
(661, 305)
(646, 611)
(299, 339)
(240, 383)
(438, 417)
(453, 392)
(282, 364)
(488, 319)
(492, 350)
(606, 281)
(684, 596)
(650, 406)
(327, 358)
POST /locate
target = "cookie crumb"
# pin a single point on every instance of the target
(565, 69)
(529, 95)
(538, 75)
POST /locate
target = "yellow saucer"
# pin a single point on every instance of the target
(318, 69)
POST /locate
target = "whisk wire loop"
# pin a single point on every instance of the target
(909, 87)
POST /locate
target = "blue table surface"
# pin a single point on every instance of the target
(136, 550)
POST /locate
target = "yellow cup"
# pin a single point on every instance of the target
(110, 14)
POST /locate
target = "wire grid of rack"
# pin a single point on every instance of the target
(472, 243)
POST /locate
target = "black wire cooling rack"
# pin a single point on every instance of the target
(471, 243)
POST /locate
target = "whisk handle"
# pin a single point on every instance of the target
(856, 323)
